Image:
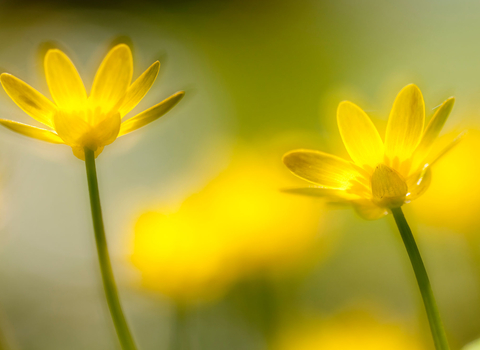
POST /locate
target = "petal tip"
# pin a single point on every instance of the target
(123, 51)
(287, 157)
(121, 46)
(343, 104)
(54, 54)
(155, 66)
(4, 77)
(451, 100)
(413, 88)
(51, 52)
(284, 157)
(347, 105)
(178, 95)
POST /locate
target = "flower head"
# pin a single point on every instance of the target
(82, 120)
(348, 330)
(239, 225)
(381, 174)
(456, 178)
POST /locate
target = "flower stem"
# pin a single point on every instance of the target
(180, 336)
(438, 333)
(109, 286)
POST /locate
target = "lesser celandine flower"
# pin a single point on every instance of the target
(347, 331)
(239, 225)
(383, 175)
(475, 345)
(456, 178)
(87, 123)
(81, 120)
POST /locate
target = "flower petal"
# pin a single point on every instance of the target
(334, 196)
(388, 187)
(368, 210)
(32, 131)
(76, 132)
(446, 149)
(139, 88)
(321, 168)
(64, 82)
(418, 183)
(359, 135)
(405, 125)
(433, 130)
(113, 77)
(30, 100)
(79, 152)
(150, 114)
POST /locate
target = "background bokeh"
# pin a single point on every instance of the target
(261, 78)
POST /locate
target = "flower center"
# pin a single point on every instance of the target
(388, 187)
(87, 127)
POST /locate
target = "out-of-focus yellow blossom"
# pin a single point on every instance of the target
(80, 120)
(357, 331)
(239, 224)
(382, 175)
(475, 345)
(454, 196)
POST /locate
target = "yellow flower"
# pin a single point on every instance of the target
(239, 225)
(351, 330)
(80, 120)
(381, 175)
(456, 178)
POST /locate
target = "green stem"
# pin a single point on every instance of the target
(436, 326)
(180, 339)
(109, 286)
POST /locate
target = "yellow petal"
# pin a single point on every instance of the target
(113, 78)
(150, 114)
(359, 135)
(30, 100)
(139, 88)
(368, 210)
(64, 82)
(433, 130)
(405, 125)
(436, 157)
(321, 168)
(388, 187)
(76, 132)
(79, 152)
(32, 131)
(335, 196)
(418, 183)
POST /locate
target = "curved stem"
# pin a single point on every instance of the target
(436, 326)
(109, 286)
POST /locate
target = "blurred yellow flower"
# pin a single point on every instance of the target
(381, 175)
(454, 196)
(354, 330)
(475, 345)
(239, 224)
(79, 120)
